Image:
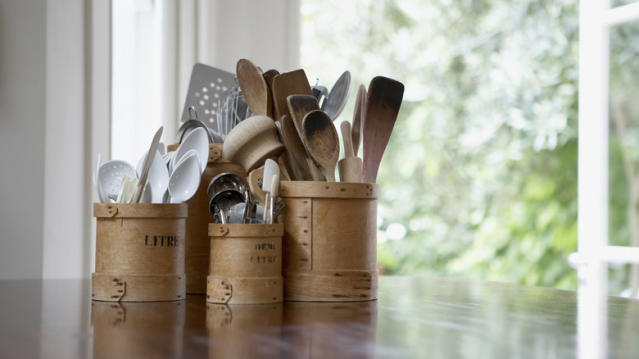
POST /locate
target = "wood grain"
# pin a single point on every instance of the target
(358, 115)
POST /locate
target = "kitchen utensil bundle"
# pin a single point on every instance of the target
(303, 138)
(160, 178)
(232, 200)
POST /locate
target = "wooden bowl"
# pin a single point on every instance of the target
(252, 141)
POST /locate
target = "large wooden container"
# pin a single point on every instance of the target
(246, 263)
(197, 238)
(138, 330)
(330, 242)
(139, 253)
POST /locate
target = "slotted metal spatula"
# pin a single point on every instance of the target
(208, 89)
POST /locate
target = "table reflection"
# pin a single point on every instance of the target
(137, 330)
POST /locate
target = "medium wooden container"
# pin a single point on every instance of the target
(197, 238)
(138, 330)
(330, 243)
(139, 254)
(246, 263)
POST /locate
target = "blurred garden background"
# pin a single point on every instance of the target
(480, 176)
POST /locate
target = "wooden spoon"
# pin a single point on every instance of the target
(382, 105)
(350, 167)
(288, 83)
(254, 87)
(322, 142)
(299, 106)
(268, 77)
(358, 114)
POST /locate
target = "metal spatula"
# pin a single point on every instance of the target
(208, 89)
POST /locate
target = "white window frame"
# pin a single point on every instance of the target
(596, 18)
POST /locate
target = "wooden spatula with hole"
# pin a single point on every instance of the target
(254, 87)
(382, 105)
(322, 142)
(288, 83)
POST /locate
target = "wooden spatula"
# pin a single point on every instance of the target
(382, 105)
(358, 114)
(322, 142)
(288, 83)
(254, 87)
(350, 167)
(147, 164)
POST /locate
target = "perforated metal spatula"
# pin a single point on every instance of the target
(208, 88)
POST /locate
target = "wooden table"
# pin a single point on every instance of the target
(414, 317)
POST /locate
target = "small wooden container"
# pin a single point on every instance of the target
(197, 238)
(246, 263)
(330, 244)
(139, 253)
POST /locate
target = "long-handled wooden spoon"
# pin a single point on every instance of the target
(382, 105)
(322, 142)
(254, 87)
(350, 167)
(294, 149)
(358, 114)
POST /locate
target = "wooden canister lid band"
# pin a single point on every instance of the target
(316, 189)
(140, 210)
(217, 230)
(215, 152)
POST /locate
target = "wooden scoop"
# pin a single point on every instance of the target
(358, 114)
(382, 105)
(255, 178)
(350, 167)
(288, 83)
(322, 142)
(254, 87)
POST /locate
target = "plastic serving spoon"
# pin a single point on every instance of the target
(322, 142)
(198, 140)
(158, 177)
(185, 179)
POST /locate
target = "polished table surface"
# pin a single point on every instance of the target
(413, 318)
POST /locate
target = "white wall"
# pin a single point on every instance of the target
(22, 136)
(55, 109)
